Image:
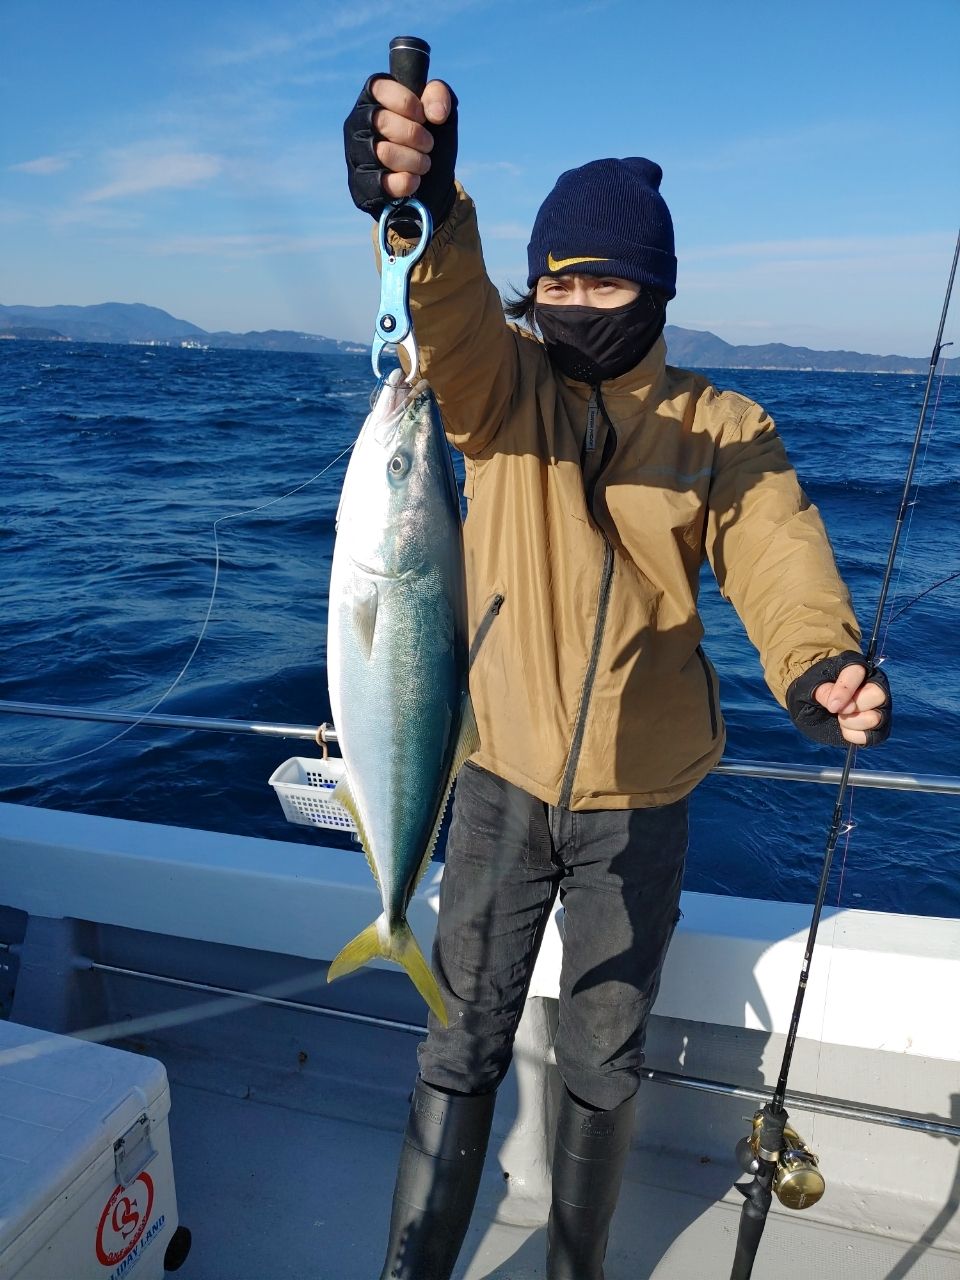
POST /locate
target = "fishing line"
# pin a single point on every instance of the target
(237, 515)
(927, 590)
(849, 826)
(761, 1152)
(846, 831)
(869, 659)
(891, 616)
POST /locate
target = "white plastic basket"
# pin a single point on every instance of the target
(304, 788)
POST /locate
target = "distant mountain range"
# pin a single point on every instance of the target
(693, 348)
(135, 322)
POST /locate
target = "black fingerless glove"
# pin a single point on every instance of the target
(817, 722)
(364, 170)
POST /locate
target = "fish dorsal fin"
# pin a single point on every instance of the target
(343, 794)
(468, 740)
(366, 604)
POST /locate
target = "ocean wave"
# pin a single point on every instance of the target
(117, 461)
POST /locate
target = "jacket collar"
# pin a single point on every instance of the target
(636, 383)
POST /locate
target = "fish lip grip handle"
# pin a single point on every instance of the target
(410, 66)
(410, 62)
(393, 326)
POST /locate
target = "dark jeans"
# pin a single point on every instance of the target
(618, 873)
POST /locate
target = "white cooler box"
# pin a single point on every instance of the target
(86, 1177)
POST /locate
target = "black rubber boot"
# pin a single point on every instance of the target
(588, 1161)
(440, 1166)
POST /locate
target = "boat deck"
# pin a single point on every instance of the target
(273, 1187)
(290, 1096)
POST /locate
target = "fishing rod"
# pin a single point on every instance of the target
(773, 1151)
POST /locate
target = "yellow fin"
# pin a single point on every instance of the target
(365, 946)
(403, 949)
(407, 952)
(343, 795)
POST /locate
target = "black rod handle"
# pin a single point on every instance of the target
(410, 62)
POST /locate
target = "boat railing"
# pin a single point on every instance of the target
(814, 1103)
(325, 734)
(933, 1124)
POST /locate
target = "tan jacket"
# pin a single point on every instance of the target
(589, 683)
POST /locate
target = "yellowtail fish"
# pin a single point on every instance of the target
(397, 660)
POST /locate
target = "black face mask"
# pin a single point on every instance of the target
(592, 344)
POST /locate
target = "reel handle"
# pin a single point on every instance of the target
(410, 62)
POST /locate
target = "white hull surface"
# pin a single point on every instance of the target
(287, 1109)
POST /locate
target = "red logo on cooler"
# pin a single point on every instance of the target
(124, 1218)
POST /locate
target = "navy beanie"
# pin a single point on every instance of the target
(606, 218)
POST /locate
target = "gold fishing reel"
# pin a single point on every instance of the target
(798, 1182)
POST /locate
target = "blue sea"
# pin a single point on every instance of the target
(115, 461)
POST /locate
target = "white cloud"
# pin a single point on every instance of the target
(863, 293)
(42, 165)
(345, 27)
(96, 217)
(473, 167)
(295, 170)
(315, 39)
(849, 250)
(254, 245)
(137, 170)
(507, 231)
(11, 213)
(749, 153)
(268, 47)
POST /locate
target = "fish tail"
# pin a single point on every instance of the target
(408, 953)
(402, 948)
(364, 947)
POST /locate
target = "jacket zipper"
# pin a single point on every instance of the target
(710, 698)
(483, 627)
(603, 601)
(573, 759)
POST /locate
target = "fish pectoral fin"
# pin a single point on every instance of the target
(343, 795)
(366, 604)
(402, 948)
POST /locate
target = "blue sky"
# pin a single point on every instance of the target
(189, 155)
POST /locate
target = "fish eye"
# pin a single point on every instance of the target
(398, 466)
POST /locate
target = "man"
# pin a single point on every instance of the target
(598, 480)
